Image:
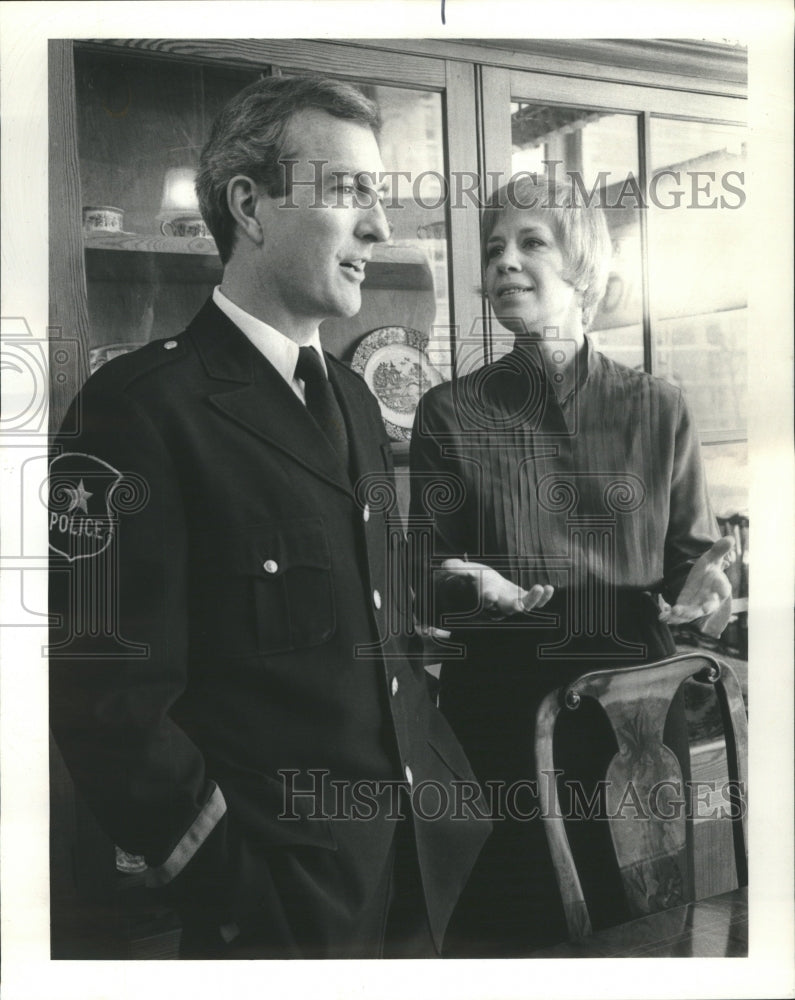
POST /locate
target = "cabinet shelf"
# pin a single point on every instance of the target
(189, 260)
(133, 243)
(152, 258)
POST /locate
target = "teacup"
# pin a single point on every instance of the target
(185, 225)
(102, 219)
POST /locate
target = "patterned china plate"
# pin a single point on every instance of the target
(393, 363)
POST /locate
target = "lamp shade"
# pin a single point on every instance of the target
(179, 193)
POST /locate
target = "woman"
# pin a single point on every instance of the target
(575, 525)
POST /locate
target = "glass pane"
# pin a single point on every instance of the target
(141, 125)
(139, 119)
(697, 267)
(726, 468)
(599, 151)
(400, 340)
(412, 143)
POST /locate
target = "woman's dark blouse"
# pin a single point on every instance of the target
(602, 497)
(606, 486)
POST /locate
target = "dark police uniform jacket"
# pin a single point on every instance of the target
(232, 637)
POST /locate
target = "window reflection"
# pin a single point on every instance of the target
(412, 146)
(400, 340)
(726, 467)
(698, 267)
(140, 119)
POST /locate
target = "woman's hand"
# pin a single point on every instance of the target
(707, 591)
(497, 596)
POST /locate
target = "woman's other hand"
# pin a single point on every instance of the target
(707, 591)
(498, 597)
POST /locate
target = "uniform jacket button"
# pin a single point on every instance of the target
(377, 600)
(395, 686)
(366, 513)
(270, 565)
(409, 775)
(170, 345)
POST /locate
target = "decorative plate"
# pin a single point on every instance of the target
(393, 363)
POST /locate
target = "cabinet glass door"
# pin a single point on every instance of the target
(141, 123)
(699, 294)
(699, 266)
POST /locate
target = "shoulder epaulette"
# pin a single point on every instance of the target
(123, 371)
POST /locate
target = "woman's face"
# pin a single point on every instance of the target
(524, 275)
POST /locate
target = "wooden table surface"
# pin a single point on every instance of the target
(709, 928)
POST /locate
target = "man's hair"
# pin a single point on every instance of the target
(248, 135)
(579, 228)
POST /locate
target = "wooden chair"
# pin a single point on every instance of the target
(651, 852)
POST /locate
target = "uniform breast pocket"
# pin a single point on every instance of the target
(268, 590)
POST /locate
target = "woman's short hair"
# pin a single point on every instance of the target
(247, 138)
(579, 227)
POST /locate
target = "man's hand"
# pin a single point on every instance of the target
(498, 597)
(707, 591)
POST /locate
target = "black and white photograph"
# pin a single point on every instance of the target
(391, 422)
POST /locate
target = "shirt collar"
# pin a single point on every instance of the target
(281, 351)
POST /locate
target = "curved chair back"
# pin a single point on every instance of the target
(648, 808)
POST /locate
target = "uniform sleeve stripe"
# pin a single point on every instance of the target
(197, 833)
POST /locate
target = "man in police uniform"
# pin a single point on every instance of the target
(226, 687)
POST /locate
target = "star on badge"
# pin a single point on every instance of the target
(78, 498)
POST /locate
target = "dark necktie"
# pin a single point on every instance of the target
(321, 401)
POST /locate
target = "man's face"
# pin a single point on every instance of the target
(319, 236)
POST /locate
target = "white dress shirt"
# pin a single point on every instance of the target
(274, 346)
